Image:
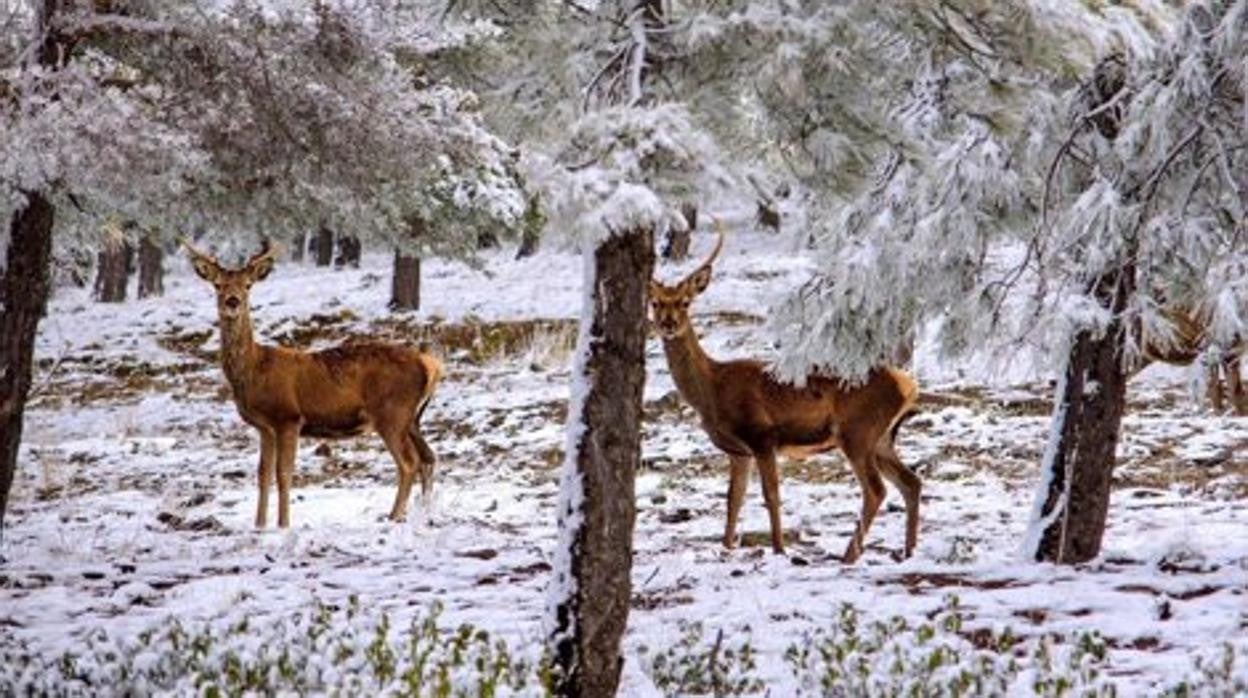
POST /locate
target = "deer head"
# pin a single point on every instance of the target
(669, 305)
(233, 285)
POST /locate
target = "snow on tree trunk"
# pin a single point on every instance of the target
(590, 596)
(112, 272)
(405, 283)
(1072, 503)
(323, 246)
(151, 268)
(24, 289)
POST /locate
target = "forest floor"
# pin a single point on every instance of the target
(136, 494)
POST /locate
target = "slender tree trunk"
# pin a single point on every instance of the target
(348, 252)
(299, 247)
(151, 268)
(323, 246)
(533, 222)
(405, 284)
(677, 247)
(1073, 502)
(112, 273)
(592, 589)
(24, 289)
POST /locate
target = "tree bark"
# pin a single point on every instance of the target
(112, 273)
(677, 247)
(348, 252)
(531, 234)
(151, 268)
(405, 284)
(591, 595)
(24, 289)
(1069, 522)
(323, 246)
(298, 249)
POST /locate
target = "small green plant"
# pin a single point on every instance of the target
(1214, 676)
(695, 667)
(939, 658)
(323, 650)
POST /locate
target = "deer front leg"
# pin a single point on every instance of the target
(739, 475)
(769, 474)
(264, 476)
(287, 445)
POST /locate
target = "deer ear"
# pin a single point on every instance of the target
(205, 267)
(654, 288)
(260, 267)
(699, 280)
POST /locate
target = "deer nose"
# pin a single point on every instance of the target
(232, 303)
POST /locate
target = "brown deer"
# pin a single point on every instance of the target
(334, 393)
(752, 416)
(1190, 339)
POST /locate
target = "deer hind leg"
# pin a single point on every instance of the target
(739, 475)
(1213, 387)
(426, 459)
(287, 445)
(404, 453)
(769, 474)
(1235, 386)
(907, 483)
(861, 458)
(265, 474)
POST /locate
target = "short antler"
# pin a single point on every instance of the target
(190, 247)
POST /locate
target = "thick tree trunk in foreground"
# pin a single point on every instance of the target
(323, 246)
(405, 283)
(1073, 504)
(112, 273)
(592, 586)
(24, 289)
(151, 268)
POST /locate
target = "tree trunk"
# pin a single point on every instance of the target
(593, 563)
(151, 268)
(533, 222)
(1072, 505)
(112, 272)
(677, 247)
(297, 250)
(323, 246)
(24, 289)
(348, 252)
(405, 284)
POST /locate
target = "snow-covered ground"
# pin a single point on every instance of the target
(136, 494)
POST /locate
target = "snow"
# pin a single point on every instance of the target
(134, 500)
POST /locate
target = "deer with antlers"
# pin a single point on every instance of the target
(335, 393)
(753, 417)
(1190, 339)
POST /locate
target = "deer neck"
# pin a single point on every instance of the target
(691, 369)
(238, 349)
